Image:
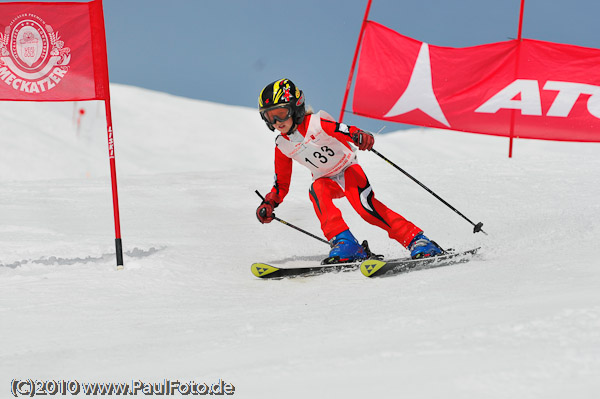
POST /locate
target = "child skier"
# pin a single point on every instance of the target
(322, 145)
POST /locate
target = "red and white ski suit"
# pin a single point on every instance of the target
(323, 146)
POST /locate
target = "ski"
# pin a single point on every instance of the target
(375, 267)
(379, 268)
(266, 271)
(328, 265)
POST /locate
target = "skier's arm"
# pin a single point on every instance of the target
(283, 176)
(350, 134)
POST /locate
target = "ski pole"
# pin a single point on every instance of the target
(292, 226)
(477, 227)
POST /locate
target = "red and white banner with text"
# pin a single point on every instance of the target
(540, 90)
(52, 52)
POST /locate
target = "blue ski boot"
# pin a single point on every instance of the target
(345, 249)
(423, 247)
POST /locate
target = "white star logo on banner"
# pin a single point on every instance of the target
(419, 93)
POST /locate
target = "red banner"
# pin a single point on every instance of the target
(52, 52)
(540, 90)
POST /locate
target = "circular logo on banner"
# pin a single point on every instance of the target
(33, 59)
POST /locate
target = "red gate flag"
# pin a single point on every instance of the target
(52, 52)
(57, 52)
(541, 89)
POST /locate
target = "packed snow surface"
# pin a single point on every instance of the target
(521, 321)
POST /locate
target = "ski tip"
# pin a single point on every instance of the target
(261, 269)
(369, 267)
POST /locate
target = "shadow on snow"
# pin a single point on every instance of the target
(53, 260)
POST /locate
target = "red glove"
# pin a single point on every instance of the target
(264, 212)
(364, 140)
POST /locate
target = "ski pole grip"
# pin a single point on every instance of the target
(263, 212)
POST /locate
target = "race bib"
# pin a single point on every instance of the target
(321, 153)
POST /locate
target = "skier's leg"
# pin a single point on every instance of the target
(321, 193)
(345, 246)
(359, 192)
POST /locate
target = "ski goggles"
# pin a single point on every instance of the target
(277, 114)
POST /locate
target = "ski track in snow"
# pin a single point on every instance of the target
(521, 321)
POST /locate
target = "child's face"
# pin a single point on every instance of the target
(285, 126)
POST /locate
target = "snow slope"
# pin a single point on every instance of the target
(521, 322)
